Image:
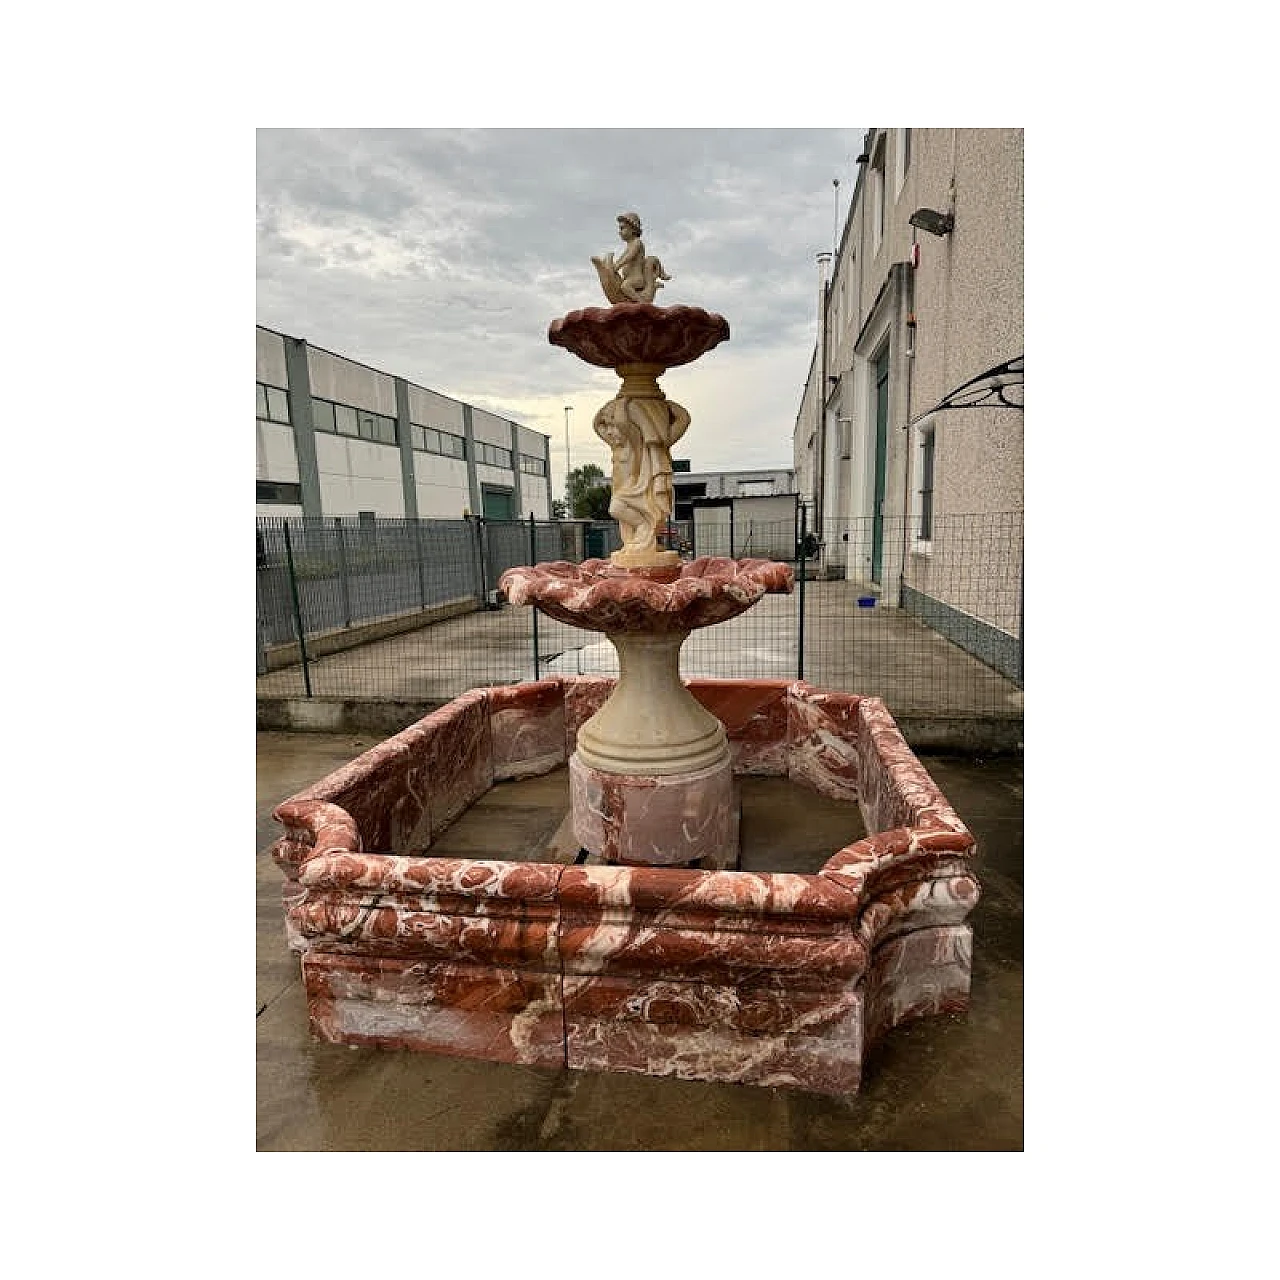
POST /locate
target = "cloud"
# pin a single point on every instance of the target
(443, 255)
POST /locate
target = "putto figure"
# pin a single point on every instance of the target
(640, 431)
(633, 277)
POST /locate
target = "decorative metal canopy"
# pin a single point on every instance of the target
(998, 388)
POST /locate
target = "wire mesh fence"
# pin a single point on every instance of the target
(405, 610)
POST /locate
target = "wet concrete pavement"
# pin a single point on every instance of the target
(885, 652)
(943, 1084)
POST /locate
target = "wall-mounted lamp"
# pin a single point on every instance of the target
(935, 223)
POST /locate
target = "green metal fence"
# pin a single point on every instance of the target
(408, 610)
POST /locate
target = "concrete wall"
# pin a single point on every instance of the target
(762, 528)
(765, 527)
(431, 409)
(804, 437)
(441, 486)
(491, 428)
(348, 382)
(270, 359)
(969, 300)
(359, 475)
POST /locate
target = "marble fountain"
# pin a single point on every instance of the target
(651, 953)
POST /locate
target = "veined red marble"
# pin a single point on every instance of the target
(663, 820)
(599, 596)
(822, 741)
(755, 717)
(503, 1015)
(638, 333)
(527, 727)
(770, 979)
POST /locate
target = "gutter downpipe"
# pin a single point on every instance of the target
(908, 453)
(820, 480)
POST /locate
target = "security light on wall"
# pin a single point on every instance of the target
(935, 223)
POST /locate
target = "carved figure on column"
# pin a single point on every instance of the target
(633, 277)
(640, 432)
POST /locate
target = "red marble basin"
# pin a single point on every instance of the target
(638, 333)
(765, 978)
(599, 596)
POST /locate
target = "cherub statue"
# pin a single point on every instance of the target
(633, 277)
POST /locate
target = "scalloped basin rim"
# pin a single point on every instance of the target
(601, 596)
(638, 333)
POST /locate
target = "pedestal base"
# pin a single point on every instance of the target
(627, 558)
(657, 821)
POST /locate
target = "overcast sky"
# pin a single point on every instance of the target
(442, 255)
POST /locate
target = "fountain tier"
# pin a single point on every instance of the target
(652, 780)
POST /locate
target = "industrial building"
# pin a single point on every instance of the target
(338, 438)
(693, 485)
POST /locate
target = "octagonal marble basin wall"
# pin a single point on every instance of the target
(766, 979)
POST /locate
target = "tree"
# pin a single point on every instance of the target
(588, 492)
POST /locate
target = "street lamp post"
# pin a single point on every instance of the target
(568, 460)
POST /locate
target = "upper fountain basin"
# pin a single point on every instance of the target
(600, 596)
(638, 333)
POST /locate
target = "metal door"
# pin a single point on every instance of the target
(499, 504)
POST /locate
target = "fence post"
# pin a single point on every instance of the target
(801, 558)
(297, 610)
(533, 559)
(1022, 612)
(421, 557)
(481, 561)
(344, 581)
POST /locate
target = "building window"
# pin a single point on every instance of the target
(433, 440)
(273, 403)
(924, 494)
(877, 195)
(492, 455)
(532, 466)
(322, 415)
(377, 426)
(901, 159)
(347, 421)
(277, 492)
(362, 424)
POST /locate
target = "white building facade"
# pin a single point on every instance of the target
(336, 437)
(923, 294)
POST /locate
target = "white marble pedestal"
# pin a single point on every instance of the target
(651, 782)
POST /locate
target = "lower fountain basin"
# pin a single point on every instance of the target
(758, 978)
